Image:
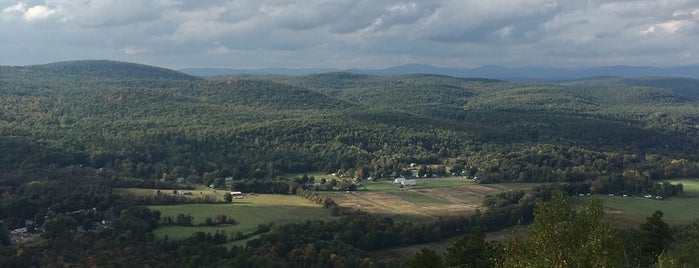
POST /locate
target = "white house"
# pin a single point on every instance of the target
(408, 183)
(399, 180)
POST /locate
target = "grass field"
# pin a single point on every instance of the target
(631, 211)
(431, 198)
(428, 200)
(388, 185)
(248, 212)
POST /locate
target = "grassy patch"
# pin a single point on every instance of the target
(388, 185)
(443, 182)
(428, 200)
(678, 210)
(632, 211)
(248, 212)
(421, 199)
(379, 186)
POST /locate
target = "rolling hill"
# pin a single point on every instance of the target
(531, 73)
(93, 69)
(144, 121)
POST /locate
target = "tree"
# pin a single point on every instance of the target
(565, 236)
(60, 226)
(425, 258)
(655, 237)
(4, 235)
(472, 250)
(228, 197)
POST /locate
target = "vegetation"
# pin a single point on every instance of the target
(80, 141)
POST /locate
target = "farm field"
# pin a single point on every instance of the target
(248, 212)
(430, 199)
(631, 211)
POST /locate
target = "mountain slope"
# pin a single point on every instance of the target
(95, 69)
(262, 127)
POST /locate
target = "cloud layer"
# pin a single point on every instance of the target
(351, 33)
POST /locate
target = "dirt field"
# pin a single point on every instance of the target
(420, 202)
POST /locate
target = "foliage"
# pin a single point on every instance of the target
(472, 250)
(565, 236)
(426, 258)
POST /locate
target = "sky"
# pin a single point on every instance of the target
(352, 33)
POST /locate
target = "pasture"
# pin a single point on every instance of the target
(248, 212)
(631, 211)
(430, 199)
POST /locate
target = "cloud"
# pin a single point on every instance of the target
(38, 13)
(353, 33)
(18, 7)
(133, 50)
(109, 13)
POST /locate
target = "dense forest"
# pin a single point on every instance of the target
(71, 132)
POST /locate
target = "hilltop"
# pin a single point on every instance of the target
(93, 69)
(531, 73)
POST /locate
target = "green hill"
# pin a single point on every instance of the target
(93, 69)
(144, 122)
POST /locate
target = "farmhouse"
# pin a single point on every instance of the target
(408, 183)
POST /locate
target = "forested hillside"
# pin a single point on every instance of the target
(109, 115)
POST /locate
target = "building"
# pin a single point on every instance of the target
(399, 180)
(237, 195)
(408, 183)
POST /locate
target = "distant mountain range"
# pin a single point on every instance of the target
(490, 71)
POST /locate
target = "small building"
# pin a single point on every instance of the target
(399, 180)
(237, 195)
(408, 183)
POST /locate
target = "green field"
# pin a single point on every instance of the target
(631, 211)
(388, 185)
(428, 200)
(248, 212)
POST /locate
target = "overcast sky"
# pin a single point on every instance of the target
(351, 33)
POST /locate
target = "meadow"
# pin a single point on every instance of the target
(631, 211)
(248, 212)
(429, 199)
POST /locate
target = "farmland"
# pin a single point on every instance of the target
(249, 212)
(631, 211)
(430, 199)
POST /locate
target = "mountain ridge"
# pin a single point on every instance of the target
(96, 69)
(532, 73)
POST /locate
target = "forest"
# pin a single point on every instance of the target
(71, 132)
